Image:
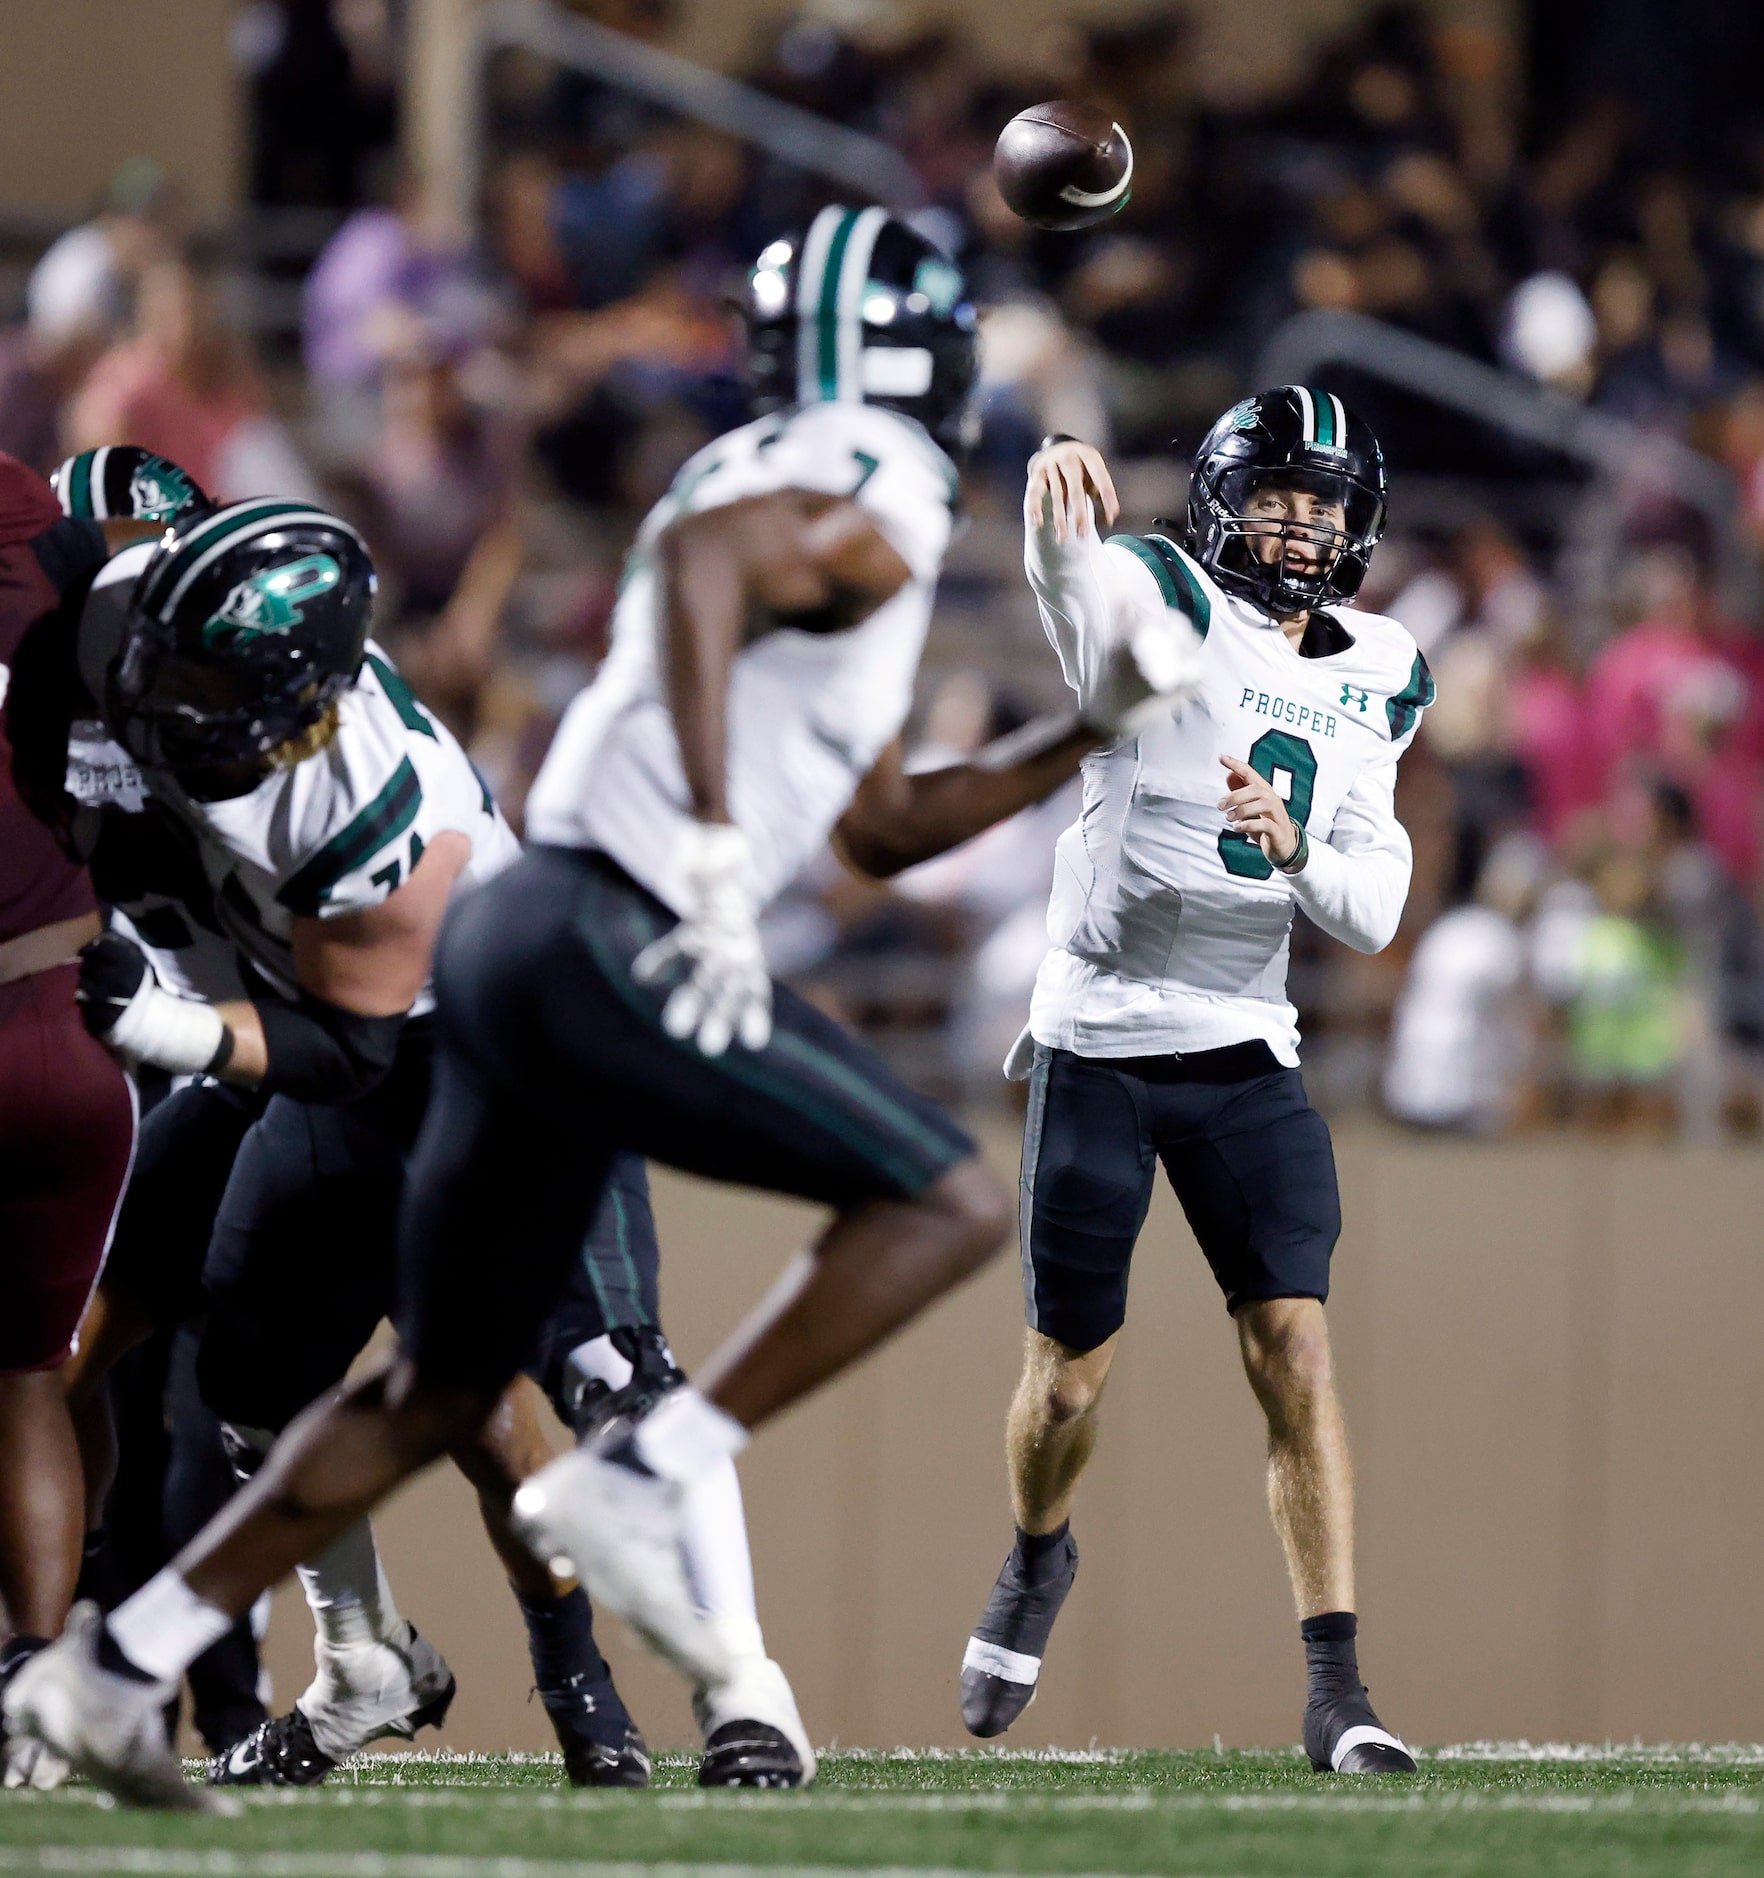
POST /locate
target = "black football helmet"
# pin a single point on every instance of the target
(247, 624)
(122, 483)
(1296, 437)
(862, 309)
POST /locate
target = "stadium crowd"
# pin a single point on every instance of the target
(1583, 942)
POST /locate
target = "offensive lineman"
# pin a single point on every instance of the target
(608, 992)
(1160, 1027)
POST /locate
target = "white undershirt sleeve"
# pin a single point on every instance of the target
(1354, 885)
(1090, 596)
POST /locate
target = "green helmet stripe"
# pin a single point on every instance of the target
(1324, 407)
(230, 528)
(854, 279)
(79, 493)
(811, 269)
(827, 313)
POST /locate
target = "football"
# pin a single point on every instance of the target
(1063, 166)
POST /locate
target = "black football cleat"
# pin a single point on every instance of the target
(597, 1764)
(1002, 1663)
(277, 1753)
(750, 1754)
(1345, 1737)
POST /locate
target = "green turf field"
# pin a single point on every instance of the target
(1601, 1813)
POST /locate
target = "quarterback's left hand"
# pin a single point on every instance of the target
(1254, 808)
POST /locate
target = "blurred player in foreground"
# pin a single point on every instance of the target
(608, 993)
(1160, 1028)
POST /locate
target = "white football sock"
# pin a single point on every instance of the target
(685, 1435)
(717, 1558)
(165, 1626)
(347, 1592)
(599, 1360)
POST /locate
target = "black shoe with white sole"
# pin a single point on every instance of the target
(604, 1764)
(1002, 1663)
(1344, 1736)
(750, 1754)
(277, 1753)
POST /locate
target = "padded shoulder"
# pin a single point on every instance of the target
(1386, 650)
(1179, 577)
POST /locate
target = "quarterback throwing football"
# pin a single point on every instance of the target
(1160, 1028)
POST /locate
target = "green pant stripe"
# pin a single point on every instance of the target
(747, 1070)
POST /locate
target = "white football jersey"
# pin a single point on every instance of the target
(1170, 931)
(808, 712)
(212, 889)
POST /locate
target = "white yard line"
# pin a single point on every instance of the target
(161, 1862)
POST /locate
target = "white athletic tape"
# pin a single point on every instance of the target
(991, 1660)
(1358, 1737)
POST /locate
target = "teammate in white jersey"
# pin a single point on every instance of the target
(1160, 1027)
(608, 993)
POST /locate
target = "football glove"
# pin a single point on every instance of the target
(1150, 674)
(124, 1007)
(726, 993)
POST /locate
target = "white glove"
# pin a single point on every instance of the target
(727, 991)
(1148, 675)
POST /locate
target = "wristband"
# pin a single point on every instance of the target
(172, 1033)
(1058, 436)
(1300, 855)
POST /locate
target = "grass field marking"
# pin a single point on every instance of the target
(1668, 1754)
(1011, 1804)
(141, 1861)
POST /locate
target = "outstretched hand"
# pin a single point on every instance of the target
(1254, 808)
(1066, 474)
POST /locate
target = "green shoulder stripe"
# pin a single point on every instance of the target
(401, 698)
(1411, 701)
(1175, 578)
(384, 819)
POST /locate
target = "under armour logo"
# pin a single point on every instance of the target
(1351, 694)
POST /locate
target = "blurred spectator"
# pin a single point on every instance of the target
(1460, 1042)
(1629, 1016)
(87, 277)
(77, 301)
(185, 386)
(1680, 696)
(435, 496)
(390, 278)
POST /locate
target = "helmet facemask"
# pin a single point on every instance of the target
(210, 723)
(1288, 556)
